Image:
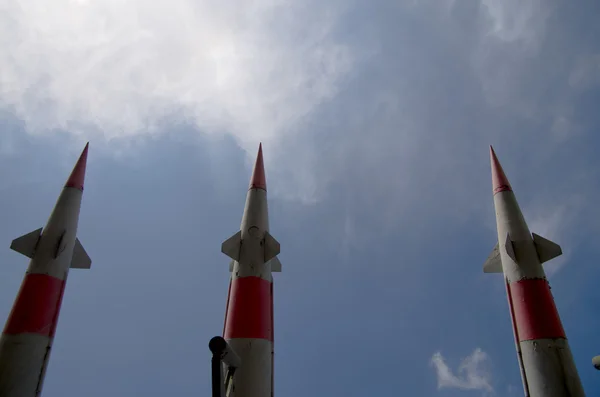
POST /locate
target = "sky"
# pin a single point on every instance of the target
(375, 119)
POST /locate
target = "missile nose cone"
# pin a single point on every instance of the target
(77, 177)
(258, 180)
(499, 180)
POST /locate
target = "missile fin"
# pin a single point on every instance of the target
(275, 265)
(60, 246)
(231, 246)
(493, 264)
(510, 249)
(81, 259)
(545, 248)
(27, 243)
(272, 247)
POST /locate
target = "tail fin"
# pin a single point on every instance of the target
(81, 259)
(231, 246)
(545, 248)
(27, 243)
(272, 247)
(275, 265)
(493, 264)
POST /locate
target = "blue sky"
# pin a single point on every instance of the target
(375, 119)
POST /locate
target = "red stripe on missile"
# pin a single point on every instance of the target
(535, 312)
(272, 316)
(249, 311)
(272, 346)
(512, 312)
(37, 306)
(227, 307)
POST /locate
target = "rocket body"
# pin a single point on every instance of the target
(545, 359)
(26, 340)
(249, 314)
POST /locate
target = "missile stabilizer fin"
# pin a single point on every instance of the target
(272, 247)
(493, 264)
(27, 243)
(275, 265)
(510, 248)
(545, 248)
(231, 246)
(81, 259)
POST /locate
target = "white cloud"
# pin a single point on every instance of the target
(472, 373)
(272, 70)
(512, 36)
(121, 67)
(514, 20)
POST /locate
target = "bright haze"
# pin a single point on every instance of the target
(375, 119)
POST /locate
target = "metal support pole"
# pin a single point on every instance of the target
(217, 378)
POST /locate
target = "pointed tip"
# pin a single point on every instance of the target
(77, 177)
(258, 180)
(500, 182)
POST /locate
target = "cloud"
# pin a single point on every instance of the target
(472, 373)
(394, 96)
(513, 20)
(122, 67)
(511, 39)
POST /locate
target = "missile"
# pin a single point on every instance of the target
(26, 341)
(545, 358)
(248, 327)
(596, 362)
